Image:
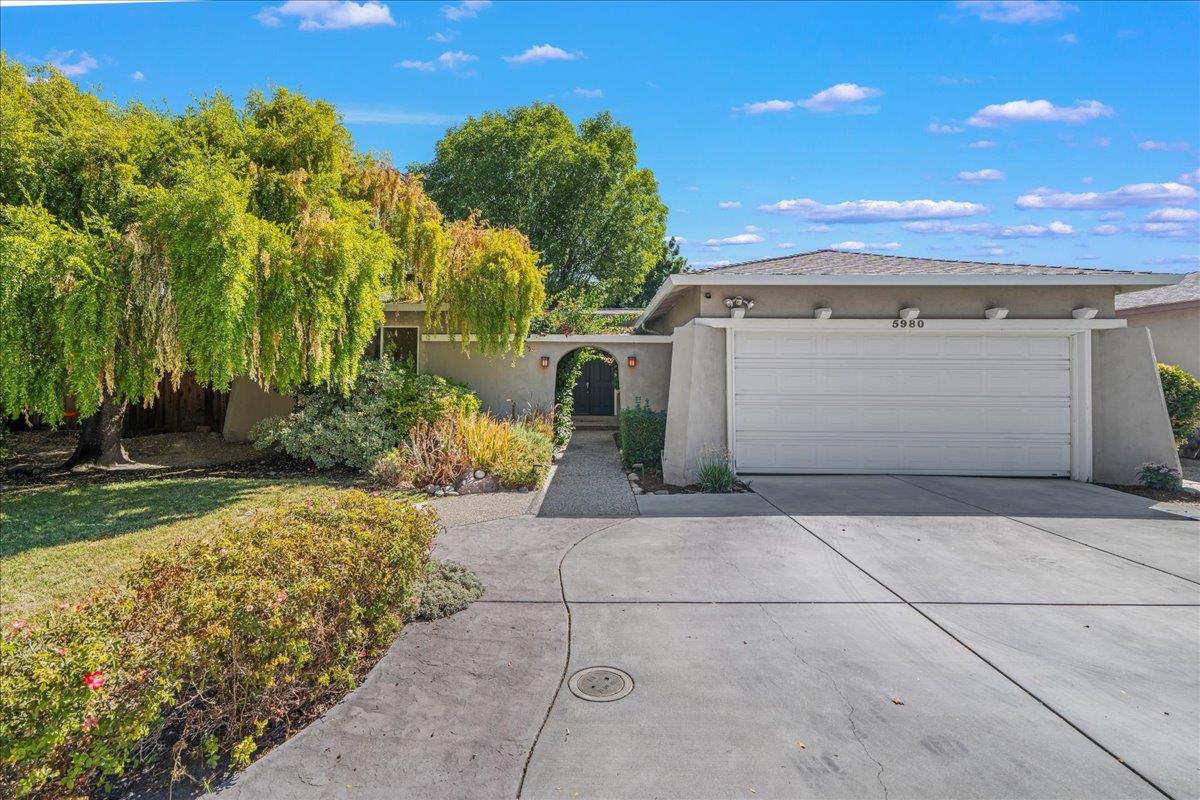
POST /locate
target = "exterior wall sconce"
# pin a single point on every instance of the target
(545, 361)
(1085, 313)
(996, 312)
(909, 313)
(822, 313)
(738, 306)
(631, 361)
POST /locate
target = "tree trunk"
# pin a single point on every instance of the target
(100, 437)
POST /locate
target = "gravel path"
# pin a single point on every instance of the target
(589, 481)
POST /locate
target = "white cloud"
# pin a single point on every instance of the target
(1069, 38)
(724, 262)
(982, 144)
(981, 175)
(1110, 216)
(875, 210)
(1167, 230)
(441, 38)
(767, 107)
(991, 231)
(542, 52)
(589, 93)
(752, 228)
(453, 59)
(70, 63)
(1165, 147)
(1133, 194)
(368, 115)
(1191, 178)
(786, 245)
(1173, 215)
(1016, 12)
(678, 239)
(992, 251)
(467, 9)
(1106, 230)
(840, 94)
(729, 204)
(328, 15)
(138, 76)
(1038, 111)
(1102, 141)
(737, 239)
(1087, 179)
(1184, 259)
(852, 245)
(422, 66)
(937, 127)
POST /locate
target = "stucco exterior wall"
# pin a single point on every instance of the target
(697, 418)
(938, 302)
(502, 383)
(684, 306)
(1129, 415)
(1175, 334)
(248, 403)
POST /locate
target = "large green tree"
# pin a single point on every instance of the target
(577, 192)
(136, 244)
(670, 262)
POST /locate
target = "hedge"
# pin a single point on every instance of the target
(208, 648)
(1182, 393)
(643, 432)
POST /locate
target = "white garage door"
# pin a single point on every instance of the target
(905, 402)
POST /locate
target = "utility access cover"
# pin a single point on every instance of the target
(600, 684)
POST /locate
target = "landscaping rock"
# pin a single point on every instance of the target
(440, 493)
(638, 490)
(523, 490)
(479, 485)
(661, 491)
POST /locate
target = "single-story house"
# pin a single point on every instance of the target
(836, 362)
(1172, 315)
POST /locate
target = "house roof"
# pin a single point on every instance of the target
(833, 267)
(839, 262)
(1186, 291)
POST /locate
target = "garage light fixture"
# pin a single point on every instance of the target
(1085, 313)
(545, 361)
(996, 312)
(909, 313)
(822, 313)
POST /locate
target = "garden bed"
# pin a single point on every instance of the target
(651, 482)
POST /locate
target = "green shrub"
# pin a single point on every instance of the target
(526, 460)
(714, 473)
(209, 646)
(1160, 476)
(446, 588)
(1182, 393)
(643, 432)
(354, 429)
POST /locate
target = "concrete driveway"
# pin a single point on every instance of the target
(833, 637)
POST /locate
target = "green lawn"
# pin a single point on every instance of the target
(60, 543)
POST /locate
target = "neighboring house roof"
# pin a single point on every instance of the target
(831, 267)
(1186, 291)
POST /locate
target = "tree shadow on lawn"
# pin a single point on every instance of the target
(48, 517)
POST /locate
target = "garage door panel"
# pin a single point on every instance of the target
(913, 402)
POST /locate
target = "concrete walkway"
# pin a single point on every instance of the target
(589, 481)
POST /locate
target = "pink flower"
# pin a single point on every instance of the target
(362, 653)
(280, 596)
(62, 651)
(224, 551)
(308, 503)
(89, 723)
(17, 626)
(94, 680)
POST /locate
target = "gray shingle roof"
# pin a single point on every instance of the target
(837, 262)
(1185, 291)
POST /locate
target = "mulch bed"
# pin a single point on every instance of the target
(1158, 495)
(652, 481)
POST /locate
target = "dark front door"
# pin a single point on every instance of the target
(593, 391)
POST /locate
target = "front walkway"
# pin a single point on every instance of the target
(589, 481)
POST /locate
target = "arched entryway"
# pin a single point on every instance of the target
(586, 383)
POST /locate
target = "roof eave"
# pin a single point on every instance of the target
(1133, 281)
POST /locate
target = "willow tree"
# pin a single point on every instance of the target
(137, 244)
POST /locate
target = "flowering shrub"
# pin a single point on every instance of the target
(208, 647)
(1160, 476)
(330, 428)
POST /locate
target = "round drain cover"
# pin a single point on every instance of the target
(600, 684)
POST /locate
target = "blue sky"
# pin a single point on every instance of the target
(1030, 132)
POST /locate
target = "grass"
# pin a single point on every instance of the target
(59, 543)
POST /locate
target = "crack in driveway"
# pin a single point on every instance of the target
(849, 706)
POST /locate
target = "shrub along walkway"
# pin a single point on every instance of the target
(589, 481)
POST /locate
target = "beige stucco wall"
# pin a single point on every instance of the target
(503, 383)
(248, 403)
(1129, 415)
(1175, 333)
(697, 417)
(935, 302)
